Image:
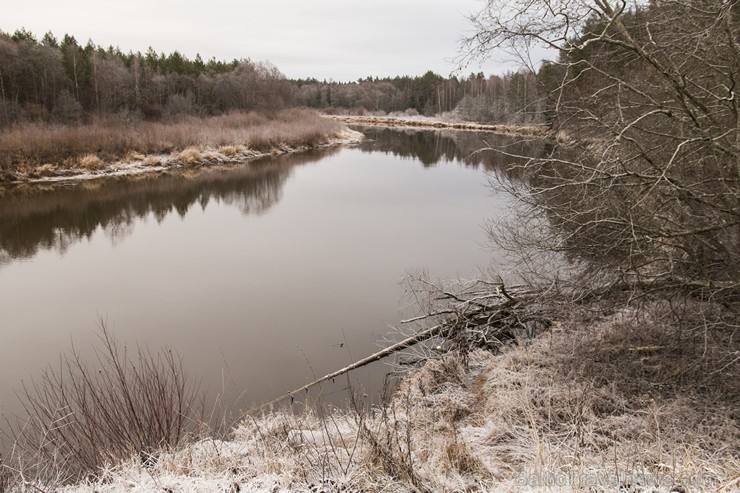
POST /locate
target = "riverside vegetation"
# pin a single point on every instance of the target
(614, 364)
(38, 151)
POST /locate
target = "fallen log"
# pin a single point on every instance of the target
(399, 346)
(449, 328)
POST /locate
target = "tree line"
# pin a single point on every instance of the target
(64, 81)
(516, 97)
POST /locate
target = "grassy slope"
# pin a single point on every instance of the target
(621, 401)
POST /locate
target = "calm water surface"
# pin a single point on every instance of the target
(260, 276)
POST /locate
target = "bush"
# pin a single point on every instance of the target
(79, 418)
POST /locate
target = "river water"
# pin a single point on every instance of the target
(260, 276)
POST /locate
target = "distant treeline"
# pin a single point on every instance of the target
(52, 80)
(512, 98)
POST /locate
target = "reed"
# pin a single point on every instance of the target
(109, 139)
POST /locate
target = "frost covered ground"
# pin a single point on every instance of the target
(612, 406)
(440, 123)
(191, 157)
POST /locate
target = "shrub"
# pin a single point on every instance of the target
(82, 417)
(67, 109)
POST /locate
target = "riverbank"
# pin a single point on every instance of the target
(614, 403)
(425, 122)
(42, 153)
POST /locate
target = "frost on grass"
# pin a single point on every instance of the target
(572, 410)
(90, 162)
(190, 142)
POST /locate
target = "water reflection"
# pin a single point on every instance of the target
(53, 217)
(266, 269)
(432, 147)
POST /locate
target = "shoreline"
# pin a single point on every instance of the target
(192, 157)
(235, 154)
(529, 416)
(394, 122)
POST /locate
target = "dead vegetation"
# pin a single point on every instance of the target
(80, 417)
(581, 407)
(547, 395)
(393, 122)
(98, 144)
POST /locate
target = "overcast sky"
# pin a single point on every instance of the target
(341, 40)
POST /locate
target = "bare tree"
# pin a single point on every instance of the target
(641, 183)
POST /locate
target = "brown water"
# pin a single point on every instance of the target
(260, 276)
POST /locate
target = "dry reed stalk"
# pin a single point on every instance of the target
(36, 144)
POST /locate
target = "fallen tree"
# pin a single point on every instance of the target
(482, 314)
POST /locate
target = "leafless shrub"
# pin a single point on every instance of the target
(66, 108)
(5, 477)
(80, 417)
(647, 198)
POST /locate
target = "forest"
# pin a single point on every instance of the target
(48, 80)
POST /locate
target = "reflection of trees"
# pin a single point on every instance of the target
(46, 217)
(435, 146)
(54, 217)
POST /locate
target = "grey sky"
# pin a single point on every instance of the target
(327, 39)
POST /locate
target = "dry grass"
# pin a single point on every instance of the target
(90, 162)
(152, 161)
(390, 121)
(581, 408)
(190, 156)
(134, 156)
(36, 144)
(42, 171)
(229, 150)
(630, 398)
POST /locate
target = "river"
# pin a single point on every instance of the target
(260, 276)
